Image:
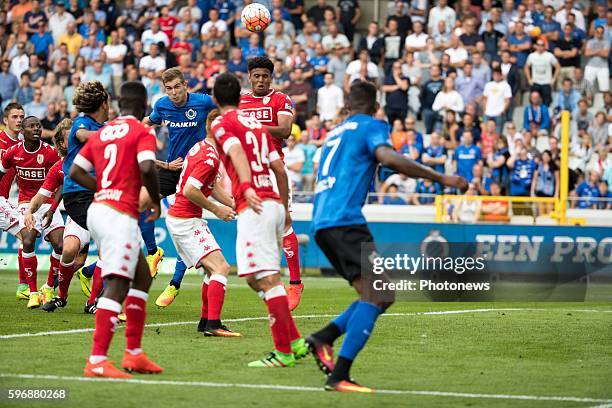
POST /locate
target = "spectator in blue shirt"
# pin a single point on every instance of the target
(425, 192)
(8, 84)
(520, 44)
(535, 115)
(253, 49)
(412, 149)
(466, 156)
(481, 180)
(587, 190)
(42, 41)
(319, 64)
(295, 8)
(237, 65)
(435, 154)
(550, 27)
(25, 93)
(523, 170)
(606, 195)
(392, 197)
(567, 98)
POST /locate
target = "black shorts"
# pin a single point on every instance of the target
(342, 246)
(77, 204)
(168, 180)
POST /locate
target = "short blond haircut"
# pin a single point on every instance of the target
(171, 74)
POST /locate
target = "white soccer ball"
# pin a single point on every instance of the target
(256, 17)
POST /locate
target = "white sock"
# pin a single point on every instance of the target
(134, 351)
(96, 359)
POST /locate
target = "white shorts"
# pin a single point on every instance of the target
(75, 230)
(258, 245)
(118, 238)
(192, 239)
(275, 187)
(9, 217)
(57, 221)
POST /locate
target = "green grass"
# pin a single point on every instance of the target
(556, 350)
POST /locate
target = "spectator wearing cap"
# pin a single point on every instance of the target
(535, 115)
(497, 96)
(522, 173)
(541, 70)
(597, 69)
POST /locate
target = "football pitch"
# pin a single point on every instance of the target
(420, 354)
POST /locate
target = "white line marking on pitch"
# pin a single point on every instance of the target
(247, 319)
(305, 389)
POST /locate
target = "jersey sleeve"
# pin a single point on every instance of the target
(54, 179)
(376, 135)
(204, 173)
(285, 106)
(85, 158)
(145, 150)
(224, 135)
(155, 117)
(6, 160)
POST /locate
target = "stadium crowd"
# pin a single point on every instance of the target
(473, 88)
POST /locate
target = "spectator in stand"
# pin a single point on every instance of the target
(598, 49)
(469, 87)
(75, 79)
(214, 21)
(37, 107)
(362, 69)
(587, 192)
(309, 149)
(520, 44)
(457, 52)
(316, 13)
(36, 71)
(605, 195)
(8, 84)
(584, 87)
(541, 71)
(392, 196)
(309, 38)
(522, 173)
(396, 91)
(294, 160)
(448, 99)
(154, 36)
(470, 36)
(412, 149)
(426, 190)
(41, 42)
(404, 22)
(496, 100)
(417, 41)
(372, 42)
(58, 22)
(348, 12)
(435, 154)
(512, 75)
(393, 45)
(52, 91)
(566, 99)
(562, 15)
(491, 38)
(467, 210)
(253, 48)
(488, 138)
(34, 18)
(330, 98)
(493, 210)
(152, 62)
(406, 186)
(536, 114)
(551, 29)
(599, 130)
(441, 13)
(25, 93)
(567, 50)
(545, 181)
(497, 161)
(21, 62)
(580, 153)
(299, 91)
(466, 156)
(50, 122)
(468, 124)
(334, 38)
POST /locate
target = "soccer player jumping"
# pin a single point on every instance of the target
(350, 156)
(274, 110)
(123, 156)
(245, 150)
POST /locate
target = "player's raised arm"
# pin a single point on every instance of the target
(390, 158)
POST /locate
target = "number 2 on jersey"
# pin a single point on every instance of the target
(110, 154)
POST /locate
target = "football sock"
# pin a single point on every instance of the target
(179, 272)
(96, 285)
(66, 272)
(205, 285)
(22, 275)
(54, 268)
(278, 309)
(359, 328)
(30, 266)
(216, 296)
(336, 327)
(106, 323)
(135, 312)
(291, 248)
(341, 370)
(147, 230)
(294, 334)
(88, 270)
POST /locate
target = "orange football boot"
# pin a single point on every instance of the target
(104, 369)
(294, 295)
(140, 363)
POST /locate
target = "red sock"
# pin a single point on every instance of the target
(22, 276)
(54, 268)
(66, 272)
(291, 248)
(96, 285)
(136, 313)
(205, 283)
(216, 295)
(294, 334)
(106, 323)
(278, 309)
(30, 266)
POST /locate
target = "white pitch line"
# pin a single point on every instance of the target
(278, 387)
(247, 319)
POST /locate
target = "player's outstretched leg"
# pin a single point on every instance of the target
(171, 291)
(291, 249)
(85, 275)
(281, 323)
(154, 254)
(213, 296)
(134, 359)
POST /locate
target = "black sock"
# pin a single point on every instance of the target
(177, 285)
(152, 251)
(202, 324)
(328, 334)
(295, 282)
(213, 324)
(341, 371)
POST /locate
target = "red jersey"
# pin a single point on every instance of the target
(114, 152)
(31, 167)
(7, 181)
(266, 109)
(54, 180)
(167, 24)
(200, 169)
(236, 127)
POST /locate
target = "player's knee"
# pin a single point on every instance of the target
(58, 247)
(28, 243)
(224, 269)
